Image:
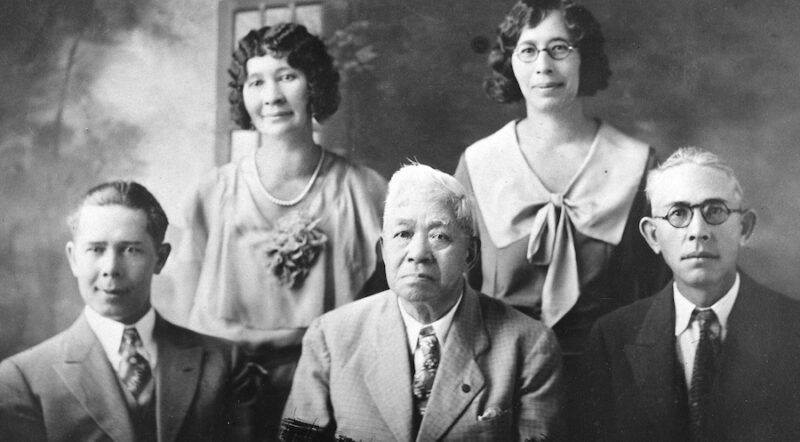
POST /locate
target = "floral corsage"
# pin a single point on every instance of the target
(292, 247)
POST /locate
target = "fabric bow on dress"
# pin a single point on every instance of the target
(596, 203)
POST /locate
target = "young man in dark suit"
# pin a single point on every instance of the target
(121, 372)
(712, 357)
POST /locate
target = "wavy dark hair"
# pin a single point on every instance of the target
(303, 51)
(128, 194)
(585, 34)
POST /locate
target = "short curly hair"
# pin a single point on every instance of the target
(585, 34)
(303, 51)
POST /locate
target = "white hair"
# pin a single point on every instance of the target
(444, 188)
(691, 155)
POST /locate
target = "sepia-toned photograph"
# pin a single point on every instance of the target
(408, 220)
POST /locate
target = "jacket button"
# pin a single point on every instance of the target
(465, 388)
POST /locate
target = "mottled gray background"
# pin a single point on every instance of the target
(98, 89)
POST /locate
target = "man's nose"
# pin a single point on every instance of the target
(698, 229)
(110, 264)
(419, 249)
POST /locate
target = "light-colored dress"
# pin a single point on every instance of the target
(233, 242)
(563, 258)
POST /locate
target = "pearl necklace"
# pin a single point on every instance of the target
(298, 198)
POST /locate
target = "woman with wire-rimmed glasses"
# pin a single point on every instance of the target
(559, 193)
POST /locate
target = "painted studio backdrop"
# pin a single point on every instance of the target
(92, 90)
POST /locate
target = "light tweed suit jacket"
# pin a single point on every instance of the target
(65, 390)
(499, 378)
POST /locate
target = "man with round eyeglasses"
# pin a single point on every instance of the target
(714, 355)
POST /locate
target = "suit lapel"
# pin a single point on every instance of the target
(748, 334)
(458, 378)
(652, 359)
(177, 375)
(88, 375)
(389, 379)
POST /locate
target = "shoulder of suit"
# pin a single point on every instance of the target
(499, 317)
(184, 336)
(630, 315)
(42, 354)
(345, 316)
(771, 303)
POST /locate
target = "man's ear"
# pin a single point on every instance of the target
(748, 226)
(473, 252)
(647, 227)
(162, 253)
(70, 251)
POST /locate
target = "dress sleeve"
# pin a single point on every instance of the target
(191, 250)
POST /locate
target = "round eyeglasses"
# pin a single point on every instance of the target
(715, 212)
(557, 50)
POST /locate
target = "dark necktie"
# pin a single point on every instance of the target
(426, 360)
(703, 373)
(134, 371)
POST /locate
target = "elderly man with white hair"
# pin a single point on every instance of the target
(430, 358)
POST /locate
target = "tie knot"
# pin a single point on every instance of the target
(427, 331)
(557, 199)
(704, 317)
(130, 337)
(707, 320)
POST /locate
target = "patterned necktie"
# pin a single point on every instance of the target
(426, 360)
(705, 367)
(134, 371)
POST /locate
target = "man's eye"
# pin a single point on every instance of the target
(527, 50)
(440, 237)
(403, 234)
(678, 212)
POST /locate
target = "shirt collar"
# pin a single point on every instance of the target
(109, 333)
(440, 326)
(722, 308)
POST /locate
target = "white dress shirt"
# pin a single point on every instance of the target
(441, 326)
(687, 331)
(109, 333)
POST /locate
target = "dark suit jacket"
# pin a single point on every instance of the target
(355, 373)
(638, 393)
(65, 389)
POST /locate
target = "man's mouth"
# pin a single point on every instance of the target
(113, 291)
(699, 255)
